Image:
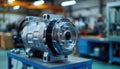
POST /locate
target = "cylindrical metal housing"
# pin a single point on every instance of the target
(56, 35)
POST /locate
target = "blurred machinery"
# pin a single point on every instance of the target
(113, 31)
(51, 38)
(113, 16)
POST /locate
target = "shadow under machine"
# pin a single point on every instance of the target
(51, 38)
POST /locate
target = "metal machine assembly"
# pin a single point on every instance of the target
(51, 37)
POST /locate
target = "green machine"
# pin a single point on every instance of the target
(113, 25)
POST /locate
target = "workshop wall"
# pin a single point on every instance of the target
(89, 7)
(11, 18)
(86, 8)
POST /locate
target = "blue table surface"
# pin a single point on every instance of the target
(38, 62)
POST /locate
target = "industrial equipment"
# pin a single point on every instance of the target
(113, 30)
(51, 37)
(113, 17)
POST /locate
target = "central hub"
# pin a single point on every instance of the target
(67, 35)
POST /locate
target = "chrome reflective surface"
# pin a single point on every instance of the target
(63, 35)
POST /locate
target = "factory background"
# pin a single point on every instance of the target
(97, 22)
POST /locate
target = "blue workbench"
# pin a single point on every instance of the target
(86, 44)
(71, 63)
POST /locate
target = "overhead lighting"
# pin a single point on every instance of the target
(16, 7)
(10, 1)
(37, 3)
(68, 3)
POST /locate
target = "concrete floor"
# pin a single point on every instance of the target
(96, 63)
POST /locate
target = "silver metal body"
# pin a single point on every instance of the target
(53, 35)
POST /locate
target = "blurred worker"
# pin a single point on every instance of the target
(100, 25)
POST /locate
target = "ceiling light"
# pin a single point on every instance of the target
(37, 3)
(68, 3)
(10, 1)
(16, 7)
